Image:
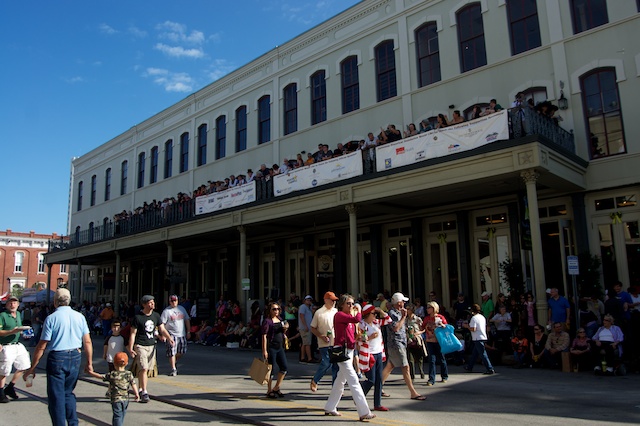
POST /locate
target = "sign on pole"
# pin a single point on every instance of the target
(572, 264)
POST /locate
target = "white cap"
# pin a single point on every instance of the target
(398, 297)
(485, 293)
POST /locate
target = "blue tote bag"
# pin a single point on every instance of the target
(447, 339)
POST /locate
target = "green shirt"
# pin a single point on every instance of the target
(8, 322)
(119, 383)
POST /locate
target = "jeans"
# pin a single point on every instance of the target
(62, 375)
(278, 356)
(324, 366)
(119, 411)
(433, 348)
(374, 379)
(479, 351)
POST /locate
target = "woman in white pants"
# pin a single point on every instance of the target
(344, 324)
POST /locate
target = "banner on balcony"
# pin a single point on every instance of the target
(318, 174)
(233, 197)
(439, 143)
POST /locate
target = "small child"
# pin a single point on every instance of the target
(520, 346)
(119, 382)
(113, 344)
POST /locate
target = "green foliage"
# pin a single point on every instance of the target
(512, 272)
(589, 278)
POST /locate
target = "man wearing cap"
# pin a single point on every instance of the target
(305, 316)
(488, 307)
(65, 331)
(178, 323)
(322, 328)
(13, 353)
(142, 342)
(397, 344)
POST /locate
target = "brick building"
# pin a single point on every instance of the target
(22, 260)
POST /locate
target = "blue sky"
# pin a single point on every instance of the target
(76, 73)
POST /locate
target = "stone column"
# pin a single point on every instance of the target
(530, 177)
(243, 268)
(169, 260)
(353, 250)
(118, 285)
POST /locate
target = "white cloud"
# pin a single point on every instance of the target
(137, 32)
(73, 80)
(179, 51)
(170, 81)
(106, 29)
(219, 68)
(177, 33)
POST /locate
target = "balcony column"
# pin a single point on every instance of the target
(530, 178)
(353, 250)
(118, 285)
(169, 260)
(48, 299)
(243, 265)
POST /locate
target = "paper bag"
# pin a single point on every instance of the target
(260, 371)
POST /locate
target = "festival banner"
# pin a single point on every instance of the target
(441, 142)
(232, 197)
(318, 174)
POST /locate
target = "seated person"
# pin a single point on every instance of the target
(557, 342)
(202, 332)
(537, 345)
(299, 161)
(502, 321)
(339, 150)
(607, 339)
(494, 106)
(520, 346)
(390, 135)
(284, 167)
(581, 351)
(411, 131)
(326, 153)
(457, 118)
(310, 160)
(213, 335)
(425, 126)
(442, 122)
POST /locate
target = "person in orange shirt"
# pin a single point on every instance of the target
(106, 315)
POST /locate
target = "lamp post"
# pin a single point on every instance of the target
(563, 103)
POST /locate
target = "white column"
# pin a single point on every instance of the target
(118, 285)
(353, 250)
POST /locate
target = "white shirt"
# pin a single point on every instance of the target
(479, 323)
(323, 322)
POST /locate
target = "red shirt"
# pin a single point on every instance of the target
(344, 326)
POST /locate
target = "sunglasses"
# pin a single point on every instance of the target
(275, 309)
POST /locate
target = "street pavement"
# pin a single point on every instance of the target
(213, 387)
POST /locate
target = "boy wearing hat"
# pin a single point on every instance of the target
(119, 382)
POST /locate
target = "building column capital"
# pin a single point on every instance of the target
(529, 176)
(351, 208)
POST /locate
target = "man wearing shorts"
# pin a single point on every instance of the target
(13, 353)
(142, 342)
(397, 344)
(177, 323)
(305, 316)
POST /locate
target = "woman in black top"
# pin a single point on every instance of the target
(273, 339)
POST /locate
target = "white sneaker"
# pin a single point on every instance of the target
(173, 373)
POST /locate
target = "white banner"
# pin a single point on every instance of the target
(438, 143)
(317, 174)
(232, 197)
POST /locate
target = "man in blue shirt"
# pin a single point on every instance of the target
(65, 332)
(559, 309)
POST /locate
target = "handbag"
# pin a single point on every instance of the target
(338, 354)
(447, 339)
(260, 371)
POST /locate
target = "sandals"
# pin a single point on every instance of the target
(386, 395)
(332, 413)
(280, 394)
(419, 398)
(367, 417)
(272, 395)
(314, 386)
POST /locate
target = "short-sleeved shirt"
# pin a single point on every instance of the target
(479, 323)
(146, 327)
(307, 313)
(558, 309)
(64, 329)
(119, 384)
(323, 322)
(8, 322)
(114, 345)
(173, 320)
(396, 339)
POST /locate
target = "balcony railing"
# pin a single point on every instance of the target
(522, 122)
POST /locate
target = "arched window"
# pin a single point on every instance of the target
(603, 113)
(184, 152)
(290, 95)
(428, 54)
(168, 158)
(524, 27)
(241, 128)
(318, 98)
(221, 137)
(587, 14)
(202, 145)
(350, 84)
(473, 53)
(385, 70)
(264, 119)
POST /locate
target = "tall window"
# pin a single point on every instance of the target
(63, 269)
(202, 145)
(290, 108)
(124, 173)
(94, 189)
(142, 159)
(19, 260)
(473, 53)
(264, 119)
(153, 173)
(350, 84)
(107, 184)
(80, 190)
(184, 152)
(385, 70)
(221, 137)
(428, 53)
(241, 128)
(587, 14)
(601, 103)
(318, 98)
(524, 27)
(168, 158)
(41, 269)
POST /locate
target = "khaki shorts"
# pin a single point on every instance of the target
(146, 357)
(306, 337)
(397, 356)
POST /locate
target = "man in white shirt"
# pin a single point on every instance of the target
(478, 328)
(322, 328)
(178, 325)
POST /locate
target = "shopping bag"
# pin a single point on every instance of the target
(260, 371)
(447, 339)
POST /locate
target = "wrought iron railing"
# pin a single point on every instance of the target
(522, 122)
